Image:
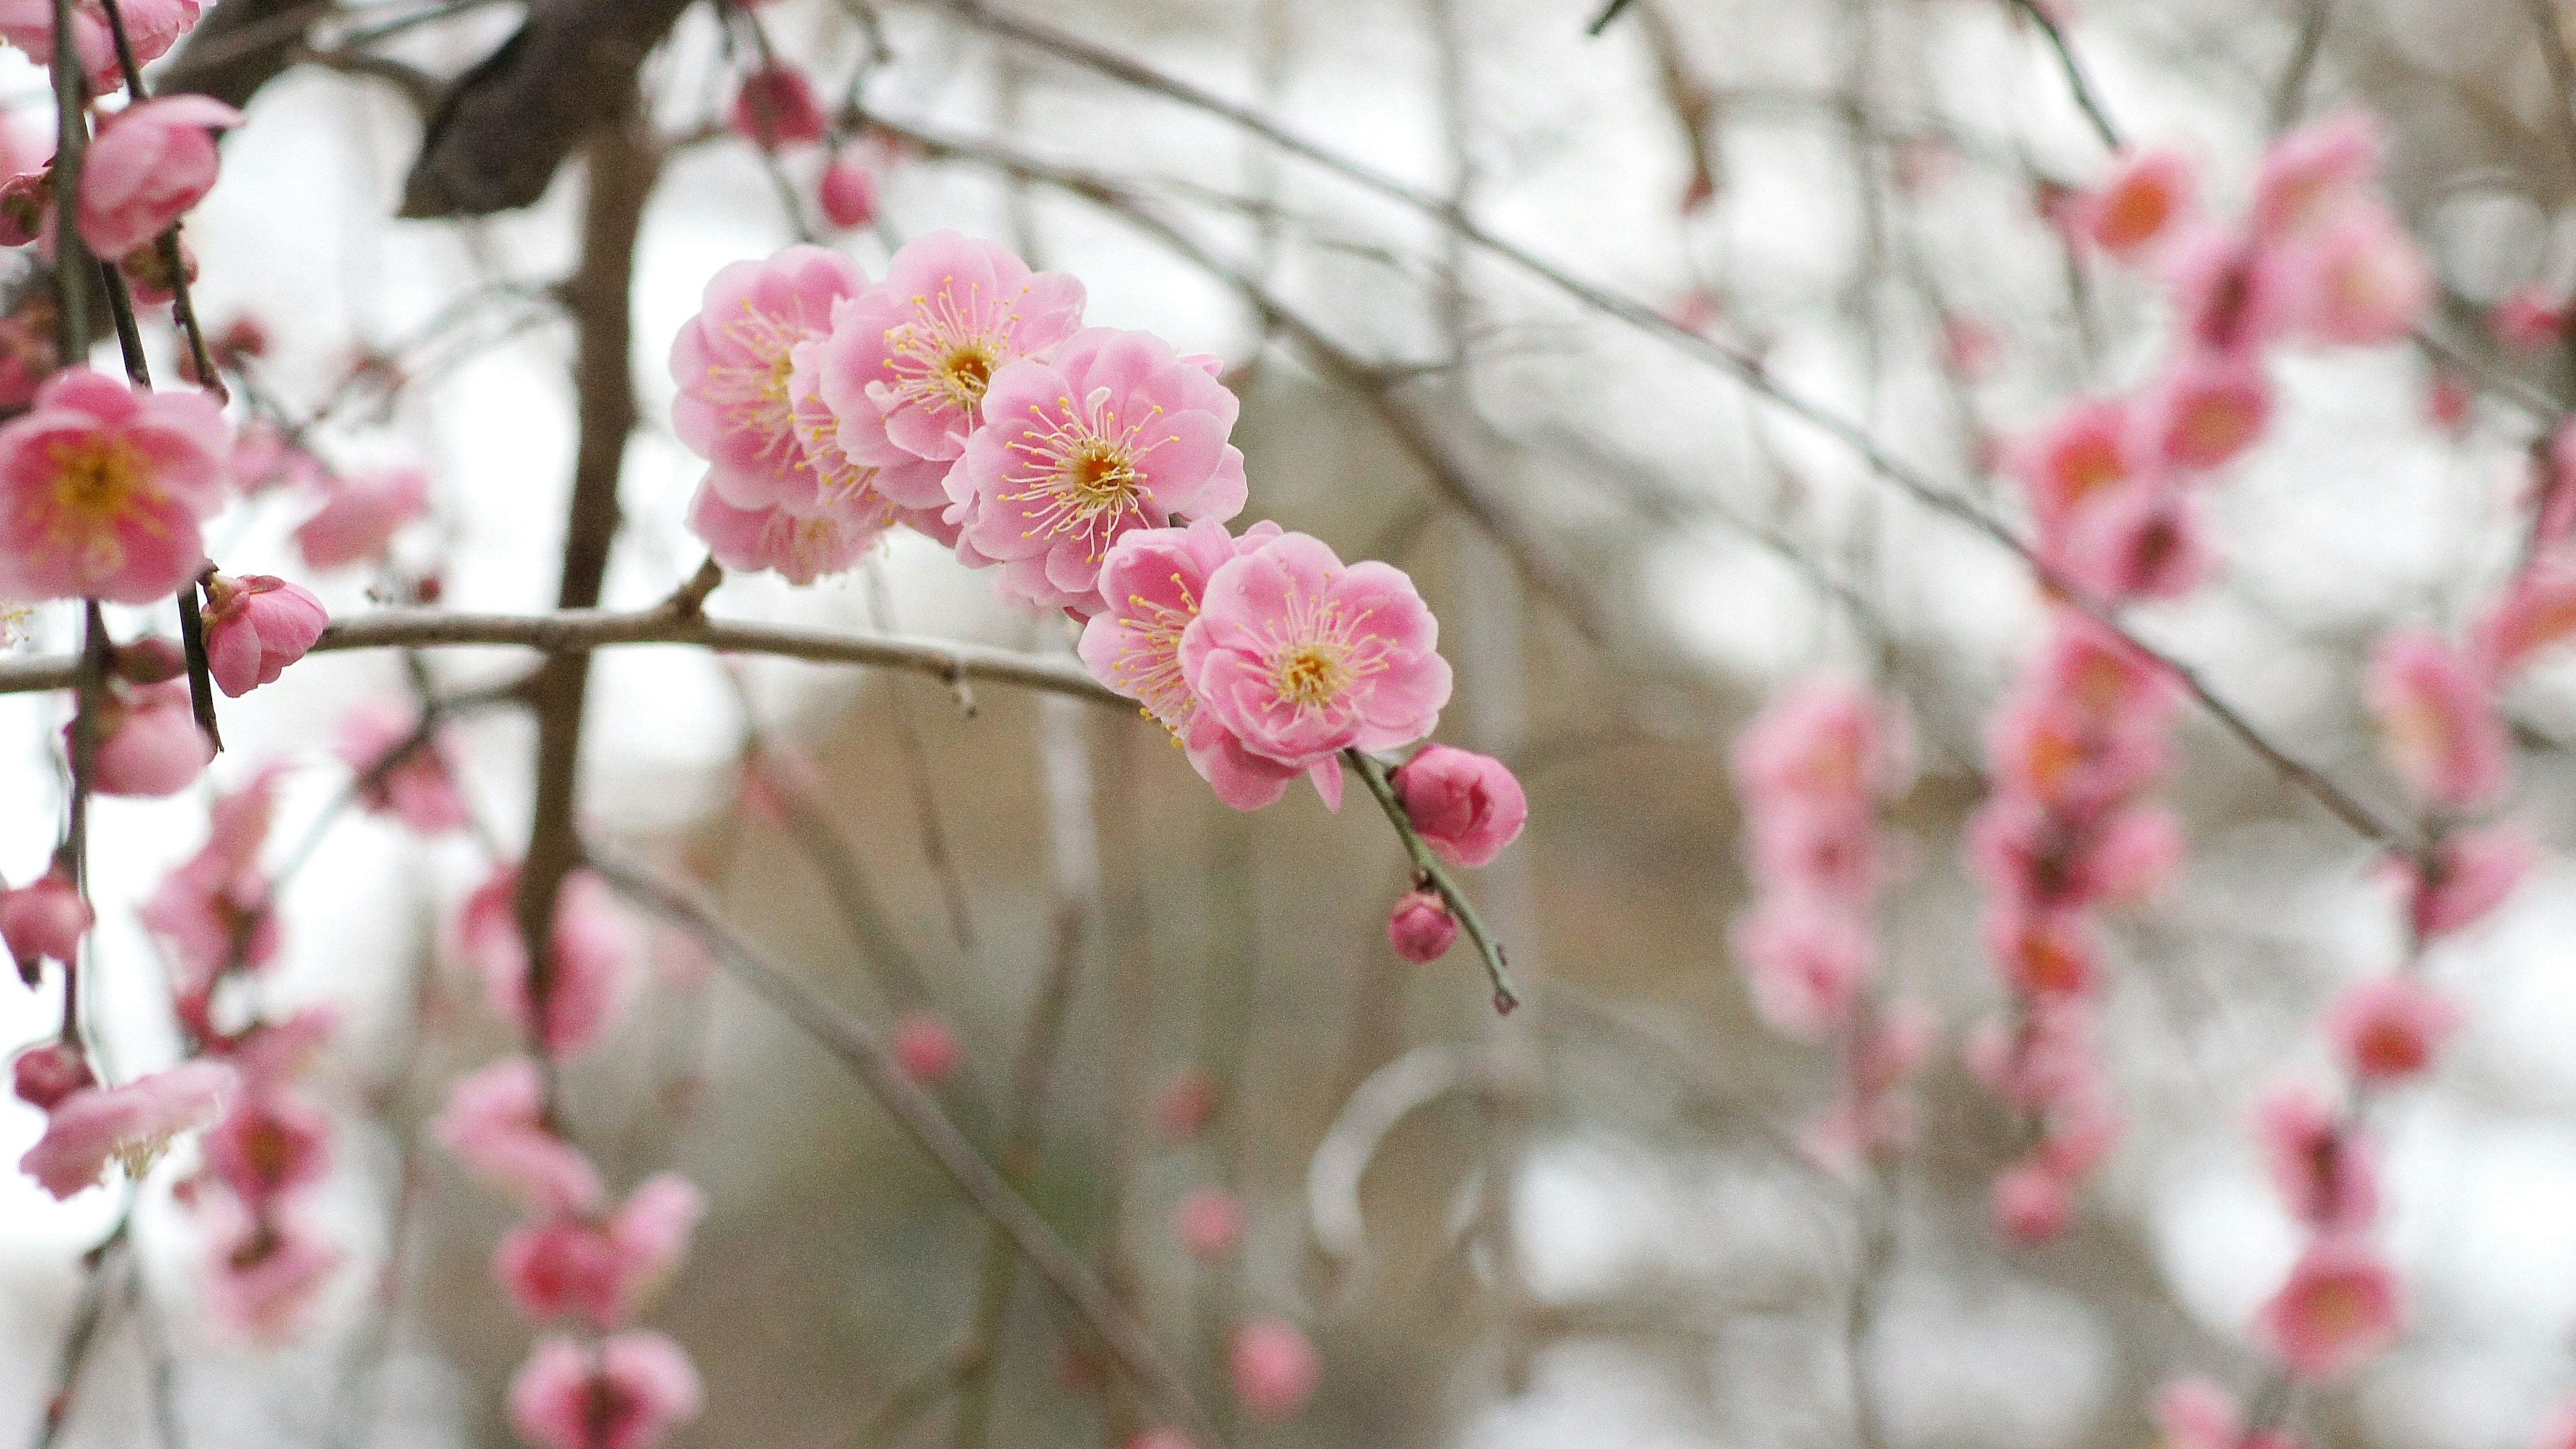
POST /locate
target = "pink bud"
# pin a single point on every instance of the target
(1467, 806)
(776, 108)
(2031, 1204)
(927, 1048)
(151, 745)
(1209, 1223)
(26, 202)
(848, 193)
(1421, 928)
(44, 920)
(258, 624)
(149, 164)
(44, 1075)
(1275, 1369)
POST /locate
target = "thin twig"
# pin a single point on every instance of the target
(2076, 80)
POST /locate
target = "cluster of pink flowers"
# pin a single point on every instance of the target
(580, 1259)
(1814, 770)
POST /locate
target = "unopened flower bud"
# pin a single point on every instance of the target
(44, 1075)
(1421, 928)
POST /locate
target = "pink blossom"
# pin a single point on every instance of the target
(1806, 965)
(149, 744)
(1420, 927)
(927, 1047)
(2141, 540)
(2207, 409)
(2391, 1029)
(1109, 433)
(103, 490)
(602, 1271)
(268, 1145)
(418, 789)
(1300, 657)
(494, 1123)
(627, 1392)
(2438, 720)
(149, 165)
(2040, 951)
(1187, 1105)
(2082, 1128)
(1274, 1368)
(1467, 807)
(152, 26)
(2315, 174)
(734, 359)
(2031, 1203)
(2362, 281)
(212, 912)
(2044, 1058)
(2339, 1309)
(2075, 457)
(1209, 1223)
(44, 920)
(2471, 873)
(263, 457)
(2233, 296)
(800, 549)
(593, 959)
(775, 107)
(278, 1051)
(2321, 1167)
(2527, 320)
(2535, 613)
(258, 624)
(360, 518)
(847, 193)
(131, 1125)
(1819, 850)
(909, 360)
(1824, 741)
(47, 1073)
(265, 1272)
(2138, 204)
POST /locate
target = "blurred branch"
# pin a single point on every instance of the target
(2076, 80)
(1602, 21)
(2545, 18)
(2290, 96)
(920, 1117)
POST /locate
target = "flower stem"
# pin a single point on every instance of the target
(1431, 875)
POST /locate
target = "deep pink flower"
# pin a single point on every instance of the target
(149, 165)
(258, 624)
(264, 1271)
(1420, 927)
(626, 1392)
(1275, 1369)
(927, 1047)
(2041, 951)
(1300, 657)
(494, 1124)
(800, 549)
(149, 743)
(2472, 872)
(2391, 1029)
(2339, 1309)
(361, 516)
(2528, 319)
(1806, 965)
(2233, 296)
(909, 360)
(2142, 539)
(268, 1145)
(775, 107)
(602, 1272)
(733, 360)
(2322, 1168)
(847, 193)
(1822, 741)
(153, 26)
(2031, 1203)
(2147, 194)
(47, 1073)
(419, 789)
(131, 1125)
(1209, 1223)
(1467, 807)
(1110, 433)
(44, 920)
(103, 490)
(2438, 720)
(2207, 409)
(2074, 458)
(593, 958)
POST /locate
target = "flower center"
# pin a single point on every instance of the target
(96, 478)
(966, 372)
(1150, 664)
(944, 358)
(1312, 676)
(1079, 472)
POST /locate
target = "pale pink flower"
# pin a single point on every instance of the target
(927, 1047)
(2082, 1128)
(1969, 347)
(602, 1272)
(131, 1125)
(2535, 613)
(1806, 965)
(359, 519)
(2362, 281)
(1420, 927)
(419, 789)
(1467, 807)
(594, 955)
(2438, 720)
(2471, 873)
(2031, 1203)
(1209, 1223)
(1823, 741)
(2391, 1029)
(263, 1279)
(2528, 319)
(847, 193)
(1300, 657)
(44, 920)
(149, 744)
(2031, 857)
(153, 26)
(800, 549)
(264, 457)
(2339, 1309)
(2073, 459)
(494, 1123)
(2207, 409)
(733, 361)
(256, 626)
(47, 1073)
(2045, 1057)
(2141, 202)
(625, 1392)
(2314, 174)
(277, 1051)
(103, 490)
(1275, 1369)
(2321, 1167)
(1111, 432)
(212, 912)
(2143, 539)
(775, 107)
(149, 165)
(1810, 849)
(910, 358)
(269, 1144)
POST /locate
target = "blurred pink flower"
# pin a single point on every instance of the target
(848, 193)
(1209, 1223)
(1806, 965)
(1275, 1369)
(927, 1047)
(418, 789)
(264, 1271)
(269, 1144)
(2315, 174)
(2438, 720)
(2319, 1164)
(594, 953)
(625, 1392)
(2147, 194)
(2339, 1309)
(2362, 281)
(149, 744)
(2041, 951)
(149, 165)
(2071, 460)
(775, 107)
(602, 1272)
(103, 489)
(256, 626)
(48, 1072)
(1468, 807)
(2534, 613)
(2528, 319)
(2031, 1203)
(44, 920)
(494, 1124)
(1823, 741)
(131, 1125)
(2205, 410)
(2142, 539)
(2472, 872)
(360, 517)
(2391, 1029)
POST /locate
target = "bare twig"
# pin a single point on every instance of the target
(2076, 80)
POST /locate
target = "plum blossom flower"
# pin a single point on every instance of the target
(418, 789)
(152, 26)
(494, 1123)
(2339, 1309)
(909, 360)
(1111, 432)
(1420, 927)
(2471, 872)
(734, 359)
(800, 548)
(45, 1074)
(2438, 720)
(847, 193)
(602, 1271)
(2073, 458)
(2141, 540)
(264, 1274)
(2031, 1203)
(1209, 1223)
(627, 1392)
(594, 958)
(2143, 199)
(256, 626)
(149, 744)
(927, 1047)
(359, 519)
(44, 920)
(2391, 1029)
(1823, 741)
(2207, 409)
(1806, 965)
(2315, 173)
(1274, 1368)
(212, 912)
(1300, 657)
(269, 1144)
(2195, 1413)
(149, 165)
(2535, 613)
(775, 108)
(1468, 807)
(2362, 281)
(2322, 1168)
(103, 490)
(131, 1125)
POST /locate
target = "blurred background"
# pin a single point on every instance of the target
(1589, 1224)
